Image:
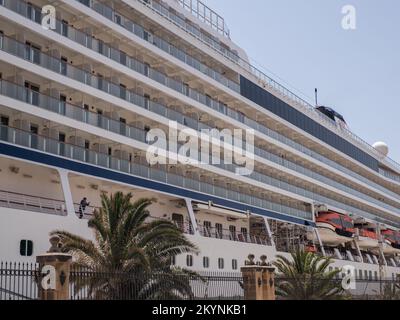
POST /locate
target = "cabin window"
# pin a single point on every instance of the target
(118, 19)
(122, 126)
(33, 13)
(186, 89)
(360, 274)
(376, 275)
(178, 220)
(207, 228)
(370, 275)
(218, 230)
(32, 52)
(208, 100)
(4, 121)
(234, 264)
(173, 260)
(64, 65)
(122, 58)
(64, 28)
(220, 263)
(189, 260)
(232, 231)
(243, 232)
(26, 248)
(147, 101)
(32, 93)
(206, 262)
(365, 274)
(122, 91)
(3, 128)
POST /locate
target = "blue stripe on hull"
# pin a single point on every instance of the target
(79, 167)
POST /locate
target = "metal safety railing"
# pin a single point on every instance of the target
(20, 201)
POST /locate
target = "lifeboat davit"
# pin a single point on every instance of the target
(334, 228)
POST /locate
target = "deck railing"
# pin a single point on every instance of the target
(20, 201)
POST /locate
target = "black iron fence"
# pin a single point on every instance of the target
(357, 289)
(88, 285)
(18, 281)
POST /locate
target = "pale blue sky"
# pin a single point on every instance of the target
(302, 41)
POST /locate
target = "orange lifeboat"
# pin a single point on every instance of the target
(392, 241)
(334, 228)
(367, 239)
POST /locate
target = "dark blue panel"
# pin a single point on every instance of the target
(47, 159)
(268, 101)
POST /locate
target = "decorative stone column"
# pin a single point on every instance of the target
(258, 279)
(54, 271)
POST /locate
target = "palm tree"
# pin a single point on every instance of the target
(130, 257)
(305, 277)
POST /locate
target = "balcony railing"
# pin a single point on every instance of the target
(267, 81)
(75, 112)
(11, 45)
(20, 7)
(45, 144)
(140, 31)
(35, 56)
(78, 113)
(389, 175)
(233, 235)
(20, 201)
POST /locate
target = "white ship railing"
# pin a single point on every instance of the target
(41, 143)
(31, 203)
(267, 82)
(206, 15)
(114, 89)
(78, 113)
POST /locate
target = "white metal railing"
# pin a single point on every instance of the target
(78, 113)
(244, 195)
(206, 15)
(266, 81)
(233, 235)
(130, 62)
(20, 201)
(30, 140)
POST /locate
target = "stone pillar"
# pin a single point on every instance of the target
(54, 272)
(268, 280)
(258, 280)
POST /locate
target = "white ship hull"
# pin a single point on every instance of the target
(19, 224)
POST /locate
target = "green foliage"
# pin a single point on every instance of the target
(306, 277)
(130, 257)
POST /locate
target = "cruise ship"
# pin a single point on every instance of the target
(83, 86)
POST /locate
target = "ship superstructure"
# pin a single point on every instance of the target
(77, 103)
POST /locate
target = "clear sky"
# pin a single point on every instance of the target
(357, 72)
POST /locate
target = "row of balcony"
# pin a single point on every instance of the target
(269, 82)
(12, 46)
(78, 113)
(35, 141)
(389, 175)
(144, 34)
(14, 200)
(45, 144)
(130, 62)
